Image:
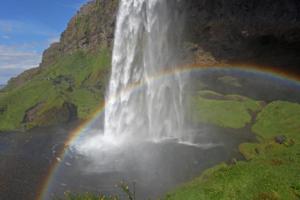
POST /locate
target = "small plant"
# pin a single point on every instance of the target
(89, 196)
(86, 196)
(125, 188)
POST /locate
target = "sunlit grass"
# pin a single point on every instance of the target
(272, 171)
(232, 111)
(78, 78)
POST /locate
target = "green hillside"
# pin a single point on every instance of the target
(273, 167)
(73, 85)
(231, 111)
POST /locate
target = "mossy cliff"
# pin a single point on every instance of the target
(71, 79)
(75, 70)
(244, 31)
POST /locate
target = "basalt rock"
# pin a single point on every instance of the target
(41, 115)
(280, 139)
(244, 31)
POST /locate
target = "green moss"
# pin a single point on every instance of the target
(231, 111)
(274, 178)
(86, 101)
(271, 172)
(19, 100)
(86, 196)
(67, 80)
(279, 118)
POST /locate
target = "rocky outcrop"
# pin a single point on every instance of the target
(248, 31)
(90, 29)
(243, 31)
(39, 115)
(71, 79)
(31, 113)
(22, 78)
(265, 32)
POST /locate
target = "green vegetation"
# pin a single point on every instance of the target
(78, 78)
(130, 195)
(86, 196)
(272, 170)
(232, 111)
(279, 118)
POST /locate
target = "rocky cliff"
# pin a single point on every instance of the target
(89, 30)
(71, 79)
(245, 31)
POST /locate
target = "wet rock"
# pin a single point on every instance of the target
(244, 31)
(280, 139)
(41, 115)
(3, 109)
(31, 113)
(71, 111)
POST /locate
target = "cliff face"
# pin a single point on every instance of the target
(249, 31)
(71, 80)
(90, 29)
(233, 30)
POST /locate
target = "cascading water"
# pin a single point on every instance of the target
(147, 38)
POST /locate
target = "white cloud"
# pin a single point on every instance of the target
(21, 45)
(14, 57)
(8, 26)
(14, 60)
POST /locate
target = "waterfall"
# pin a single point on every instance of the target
(142, 99)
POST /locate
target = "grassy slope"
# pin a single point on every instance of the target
(272, 170)
(230, 111)
(277, 118)
(78, 78)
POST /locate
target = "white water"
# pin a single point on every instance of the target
(147, 36)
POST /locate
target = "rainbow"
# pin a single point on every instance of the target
(74, 135)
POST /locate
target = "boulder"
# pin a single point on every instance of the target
(280, 139)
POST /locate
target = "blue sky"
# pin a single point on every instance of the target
(27, 27)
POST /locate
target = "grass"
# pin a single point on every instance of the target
(279, 118)
(272, 171)
(274, 178)
(130, 195)
(232, 111)
(86, 196)
(78, 78)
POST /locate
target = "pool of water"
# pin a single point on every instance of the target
(154, 167)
